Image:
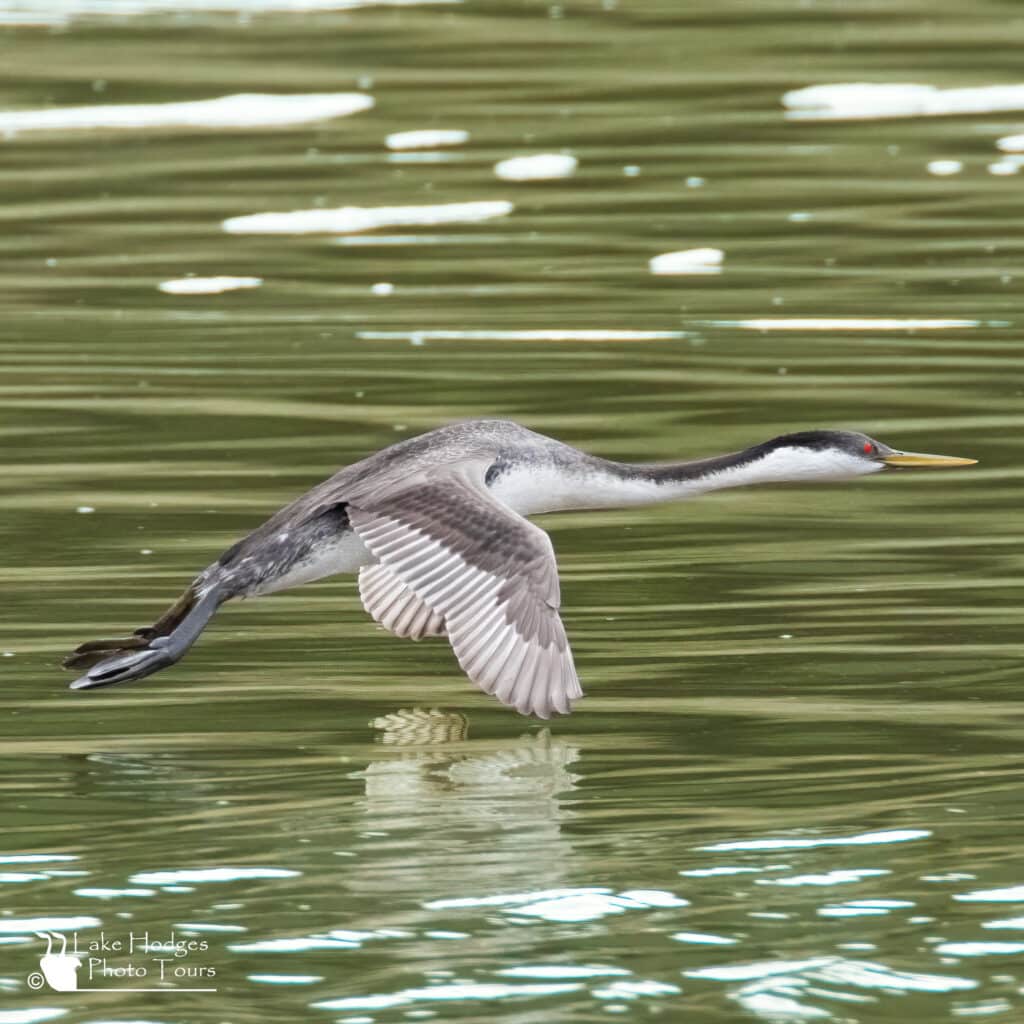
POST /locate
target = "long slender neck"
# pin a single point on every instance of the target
(771, 462)
(645, 483)
(576, 480)
(572, 479)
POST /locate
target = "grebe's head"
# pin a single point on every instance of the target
(837, 455)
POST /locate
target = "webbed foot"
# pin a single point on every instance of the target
(160, 654)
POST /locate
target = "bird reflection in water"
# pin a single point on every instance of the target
(419, 727)
(437, 754)
(448, 815)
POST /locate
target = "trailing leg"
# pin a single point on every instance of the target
(149, 649)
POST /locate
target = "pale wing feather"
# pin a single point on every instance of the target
(483, 574)
(395, 606)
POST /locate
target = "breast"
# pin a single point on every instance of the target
(343, 554)
(533, 489)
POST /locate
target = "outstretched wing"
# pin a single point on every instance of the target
(451, 557)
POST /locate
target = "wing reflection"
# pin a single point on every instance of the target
(477, 809)
(437, 760)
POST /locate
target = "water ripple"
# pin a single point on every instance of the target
(242, 110)
(864, 839)
(445, 993)
(225, 874)
(350, 219)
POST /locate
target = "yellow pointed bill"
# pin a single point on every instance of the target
(916, 459)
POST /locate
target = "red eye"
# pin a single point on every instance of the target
(868, 447)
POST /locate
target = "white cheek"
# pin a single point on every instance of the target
(807, 464)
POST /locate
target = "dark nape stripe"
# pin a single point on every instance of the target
(696, 469)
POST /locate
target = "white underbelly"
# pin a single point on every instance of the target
(348, 555)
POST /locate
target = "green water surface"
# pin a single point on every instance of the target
(793, 792)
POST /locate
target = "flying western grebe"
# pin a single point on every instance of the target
(435, 527)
